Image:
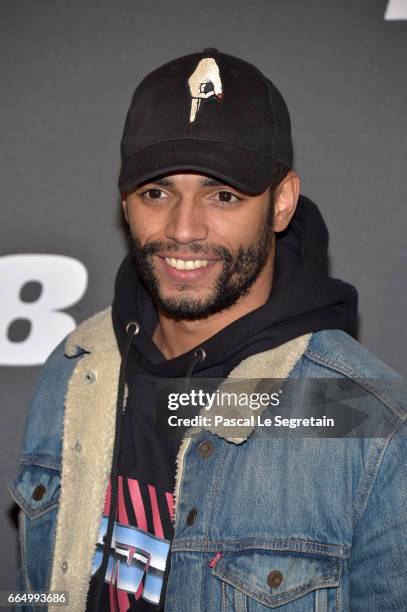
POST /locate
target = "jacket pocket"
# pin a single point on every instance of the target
(277, 578)
(36, 490)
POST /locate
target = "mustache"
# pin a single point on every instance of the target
(208, 249)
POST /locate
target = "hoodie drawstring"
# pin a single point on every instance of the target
(132, 329)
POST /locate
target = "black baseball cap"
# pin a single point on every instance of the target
(209, 113)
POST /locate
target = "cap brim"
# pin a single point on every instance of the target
(246, 170)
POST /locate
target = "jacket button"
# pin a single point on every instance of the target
(274, 579)
(205, 449)
(39, 492)
(90, 377)
(64, 567)
(192, 516)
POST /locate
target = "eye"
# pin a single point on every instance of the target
(153, 194)
(226, 197)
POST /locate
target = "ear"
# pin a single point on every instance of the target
(285, 200)
(123, 197)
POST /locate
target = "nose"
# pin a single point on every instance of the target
(186, 222)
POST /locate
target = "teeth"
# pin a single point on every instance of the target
(189, 264)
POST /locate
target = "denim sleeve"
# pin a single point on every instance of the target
(378, 565)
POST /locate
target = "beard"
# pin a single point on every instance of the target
(241, 268)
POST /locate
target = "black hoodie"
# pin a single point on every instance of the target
(303, 299)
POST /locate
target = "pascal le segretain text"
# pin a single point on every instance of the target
(254, 420)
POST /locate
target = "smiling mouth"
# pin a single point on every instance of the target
(181, 269)
(187, 264)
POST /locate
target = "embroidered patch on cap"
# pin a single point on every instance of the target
(203, 83)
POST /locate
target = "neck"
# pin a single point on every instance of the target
(175, 337)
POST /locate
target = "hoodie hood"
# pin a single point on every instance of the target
(303, 299)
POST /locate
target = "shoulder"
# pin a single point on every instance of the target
(335, 348)
(92, 335)
(336, 352)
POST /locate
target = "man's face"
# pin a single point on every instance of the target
(199, 244)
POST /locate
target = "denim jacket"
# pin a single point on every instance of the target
(300, 524)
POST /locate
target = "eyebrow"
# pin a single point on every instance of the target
(206, 182)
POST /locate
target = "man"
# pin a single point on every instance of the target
(226, 280)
